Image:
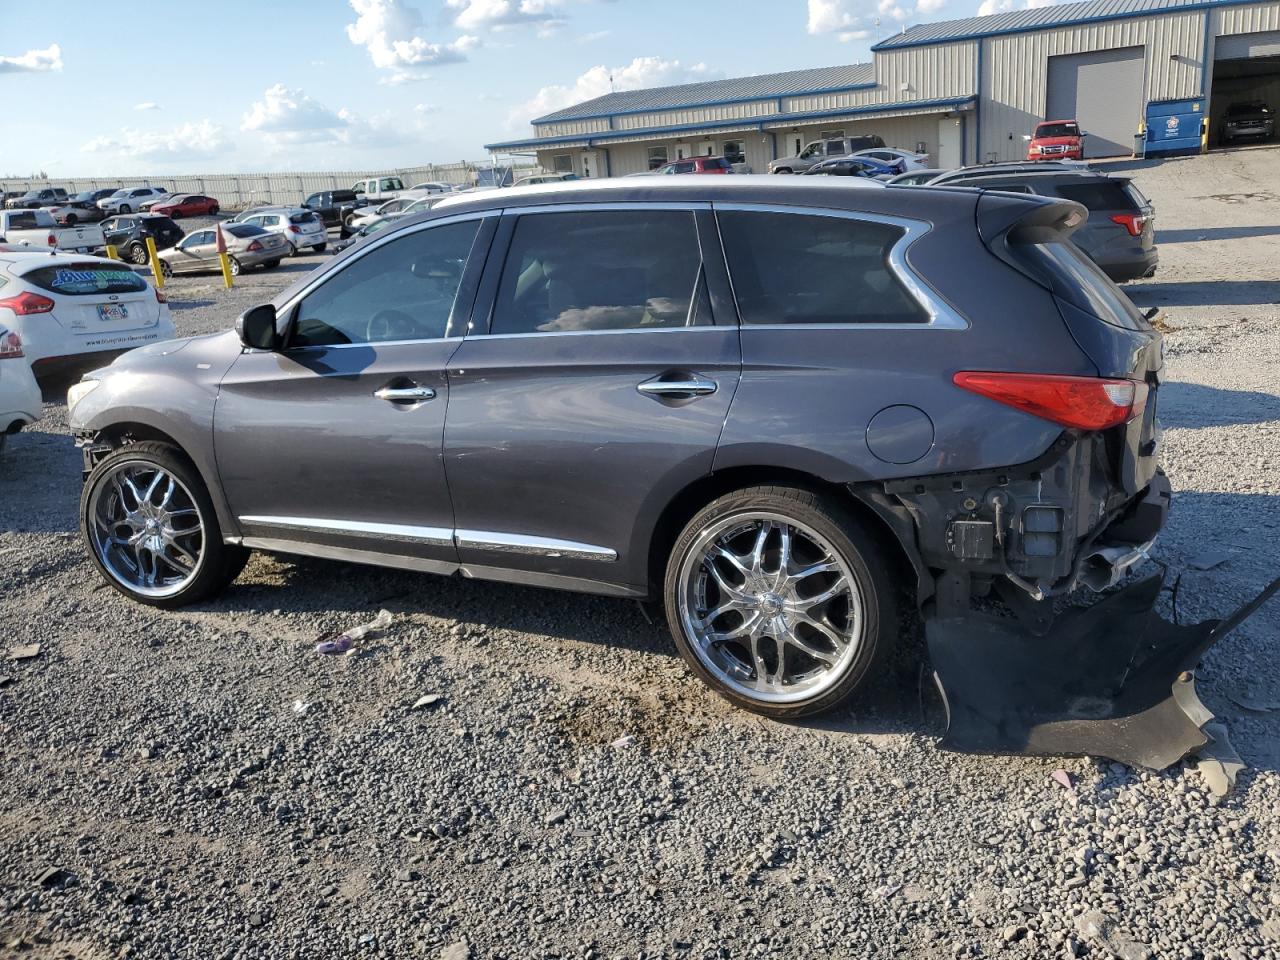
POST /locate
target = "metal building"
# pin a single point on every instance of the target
(962, 91)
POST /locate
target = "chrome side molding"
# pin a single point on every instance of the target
(442, 536)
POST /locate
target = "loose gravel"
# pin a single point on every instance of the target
(507, 772)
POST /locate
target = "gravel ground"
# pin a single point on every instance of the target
(202, 784)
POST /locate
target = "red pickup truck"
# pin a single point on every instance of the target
(1056, 140)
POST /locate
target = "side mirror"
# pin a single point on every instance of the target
(256, 327)
(1026, 136)
(1084, 133)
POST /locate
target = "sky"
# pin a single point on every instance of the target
(240, 86)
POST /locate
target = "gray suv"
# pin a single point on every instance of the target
(793, 411)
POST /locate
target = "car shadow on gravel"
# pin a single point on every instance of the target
(1215, 233)
(1189, 293)
(1194, 405)
(191, 304)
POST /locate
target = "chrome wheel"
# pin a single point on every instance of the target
(770, 608)
(146, 529)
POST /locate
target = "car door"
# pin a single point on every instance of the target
(196, 252)
(334, 443)
(118, 231)
(591, 388)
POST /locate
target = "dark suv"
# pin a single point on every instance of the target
(335, 207)
(128, 234)
(780, 407)
(1120, 233)
(34, 199)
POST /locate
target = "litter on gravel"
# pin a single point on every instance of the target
(345, 641)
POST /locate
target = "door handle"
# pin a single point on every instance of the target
(687, 386)
(405, 394)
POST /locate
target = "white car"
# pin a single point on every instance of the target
(74, 313)
(433, 186)
(400, 204)
(299, 226)
(908, 160)
(19, 393)
(130, 199)
(377, 189)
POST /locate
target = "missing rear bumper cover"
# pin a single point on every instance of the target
(1112, 680)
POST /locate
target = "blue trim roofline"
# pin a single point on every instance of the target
(844, 88)
(757, 122)
(889, 44)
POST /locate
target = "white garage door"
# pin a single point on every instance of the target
(1103, 90)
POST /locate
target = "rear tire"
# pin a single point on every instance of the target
(213, 211)
(166, 271)
(138, 254)
(777, 647)
(71, 220)
(235, 266)
(320, 247)
(783, 170)
(157, 571)
(125, 208)
(271, 265)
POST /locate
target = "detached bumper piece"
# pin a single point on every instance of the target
(1112, 680)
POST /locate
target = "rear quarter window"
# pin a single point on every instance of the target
(1098, 194)
(803, 269)
(243, 230)
(83, 279)
(1073, 276)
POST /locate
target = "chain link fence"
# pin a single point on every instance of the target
(235, 191)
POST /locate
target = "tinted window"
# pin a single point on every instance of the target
(1076, 278)
(243, 230)
(1098, 194)
(302, 218)
(312, 201)
(599, 270)
(792, 268)
(402, 290)
(342, 196)
(1057, 130)
(22, 221)
(835, 148)
(80, 279)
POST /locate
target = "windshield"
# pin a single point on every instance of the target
(1244, 109)
(1058, 130)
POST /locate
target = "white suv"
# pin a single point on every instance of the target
(130, 199)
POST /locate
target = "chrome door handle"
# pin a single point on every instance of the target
(405, 394)
(694, 386)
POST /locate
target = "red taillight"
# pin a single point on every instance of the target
(160, 297)
(53, 240)
(294, 229)
(10, 346)
(1086, 403)
(256, 245)
(26, 303)
(1133, 222)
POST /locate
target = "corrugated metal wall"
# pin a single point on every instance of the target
(571, 128)
(1015, 70)
(1253, 18)
(666, 118)
(237, 190)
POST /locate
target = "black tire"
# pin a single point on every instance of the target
(783, 170)
(125, 208)
(293, 251)
(166, 271)
(176, 215)
(213, 211)
(235, 266)
(271, 265)
(219, 563)
(138, 253)
(863, 556)
(71, 220)
(319, 248)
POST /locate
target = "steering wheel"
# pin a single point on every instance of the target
(392, 325)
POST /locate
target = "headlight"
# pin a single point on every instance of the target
(78, 392)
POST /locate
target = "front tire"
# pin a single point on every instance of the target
(138, 254)
(151, 529)
(125, 208)
(780, 600)
(213, 211)
(320, 247)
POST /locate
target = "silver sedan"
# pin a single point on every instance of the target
(247, 246)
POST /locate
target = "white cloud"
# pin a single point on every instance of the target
(640, 73)
(192, 141)
(389, 30)
(502, 14)
(34, 61)
(285, 110)
(858, 19)
(146, 105)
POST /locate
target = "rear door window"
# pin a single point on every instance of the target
(83, 279)
(601, 270)
(804, 269)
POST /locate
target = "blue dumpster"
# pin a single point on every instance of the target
(1173, 126)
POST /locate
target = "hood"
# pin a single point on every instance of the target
(1055, 141)
(218, 350)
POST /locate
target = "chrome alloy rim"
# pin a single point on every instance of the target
(146, 530)
(770, 608)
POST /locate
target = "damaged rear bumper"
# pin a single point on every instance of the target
(1112, 680)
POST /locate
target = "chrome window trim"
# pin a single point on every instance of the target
(441, 536)
(289, 305)
(691, 206)
(942, 316)
(532, 546)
